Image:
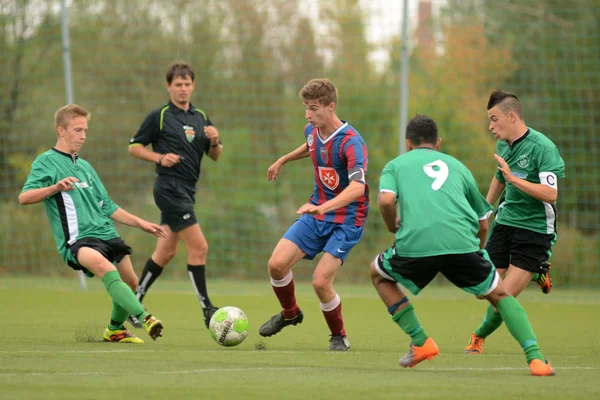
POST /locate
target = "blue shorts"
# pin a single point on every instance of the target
(314, 236)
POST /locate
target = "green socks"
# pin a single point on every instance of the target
(118, 317)
(491, 322)
(124, 301)
(519, 327)
(407, 320)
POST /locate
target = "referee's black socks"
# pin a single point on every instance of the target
(198, 276)
(151, 272)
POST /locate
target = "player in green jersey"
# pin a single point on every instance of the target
(442, 228)
(81, 216)
(524, 230)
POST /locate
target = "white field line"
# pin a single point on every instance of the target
(251, 369)
(252, 352)
(173, 372)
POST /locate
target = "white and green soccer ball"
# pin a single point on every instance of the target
(228, 326)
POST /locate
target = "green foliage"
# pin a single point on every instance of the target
(251, 58)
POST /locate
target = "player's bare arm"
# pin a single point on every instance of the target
(387, 208)
(126, 218)
(298, 154)
(216, 147)
(352, 192)
(539, 191)
(34, 196)
(165, 160)
(482, 234)
(496, 189)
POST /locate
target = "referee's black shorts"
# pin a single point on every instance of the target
(175, 199)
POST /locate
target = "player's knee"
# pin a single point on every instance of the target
(321, 284)
(132, 282)
(277, 267)
(163, 257)
(497, 294)
(199, 251)
(375, 276)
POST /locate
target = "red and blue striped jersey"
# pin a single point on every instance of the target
(337, 160)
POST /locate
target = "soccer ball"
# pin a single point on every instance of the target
(228, 326)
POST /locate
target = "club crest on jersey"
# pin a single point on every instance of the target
(324, 154)
(190, 133)
(310, 139)
(523, 161)
(329, 177)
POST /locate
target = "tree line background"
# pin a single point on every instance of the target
(251, 57)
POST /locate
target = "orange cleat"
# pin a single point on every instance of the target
(540, 368)
(544, 278)
(417, 354)
(475, 345)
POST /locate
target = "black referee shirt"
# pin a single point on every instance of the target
(172, 130)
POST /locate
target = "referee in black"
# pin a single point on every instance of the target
(181, 135)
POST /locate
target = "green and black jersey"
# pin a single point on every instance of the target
(535, 158)
(172, 130)
(440, 204)
(76, 214)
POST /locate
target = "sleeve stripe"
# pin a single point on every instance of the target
(162, 115)
(202, 112)
(485, 216)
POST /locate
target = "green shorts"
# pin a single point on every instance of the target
(472, 272)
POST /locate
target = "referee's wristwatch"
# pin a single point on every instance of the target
(216, 145)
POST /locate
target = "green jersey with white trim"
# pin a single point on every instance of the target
(535, 158)
(83, 212)
(440, 204)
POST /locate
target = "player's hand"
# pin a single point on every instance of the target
(397, 224)
(154, 229)
(212, 134)
(310, 209)
(169, 160)
(274, 170)
(504, 168)
(64, 185)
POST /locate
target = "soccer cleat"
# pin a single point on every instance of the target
(417, 354)
(277, 323)
(207, 314)
(134, 321)
(339, 343)
(544, 277)
(153, 326)
(475, 346)
(540, 368)
(120, 336)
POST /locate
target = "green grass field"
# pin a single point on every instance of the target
(50, 347)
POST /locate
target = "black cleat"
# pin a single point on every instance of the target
(134, 322)
(339, 343)
(207, 313)
(274, 325)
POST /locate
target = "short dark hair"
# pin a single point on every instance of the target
(422, 129)
(507, 102)
(179, 69)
